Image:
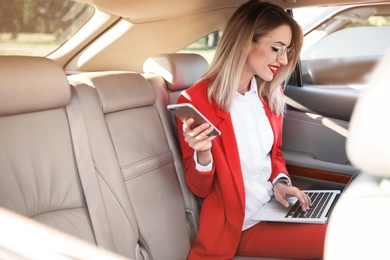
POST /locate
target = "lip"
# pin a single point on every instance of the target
(273, 69)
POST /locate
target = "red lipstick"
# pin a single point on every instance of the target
(273, 68)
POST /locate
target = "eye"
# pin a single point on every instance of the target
(275, 48)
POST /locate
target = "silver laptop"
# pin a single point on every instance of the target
(322, 203)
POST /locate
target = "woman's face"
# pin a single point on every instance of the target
(263, 58)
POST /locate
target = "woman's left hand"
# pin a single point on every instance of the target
(281, 190)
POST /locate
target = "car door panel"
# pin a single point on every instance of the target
(330, 101)
(315, 131)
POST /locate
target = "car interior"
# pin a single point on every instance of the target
(90, 166)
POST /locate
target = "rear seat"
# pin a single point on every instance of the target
(38, 171)
(151, 213)
(123, 121)
(169, 75)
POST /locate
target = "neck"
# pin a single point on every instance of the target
(244, 87)
(245, 81)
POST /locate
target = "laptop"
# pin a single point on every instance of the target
(323, 202)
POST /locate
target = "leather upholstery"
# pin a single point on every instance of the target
(38, 173)
(27, 85)
(179, 70)
(138, 138)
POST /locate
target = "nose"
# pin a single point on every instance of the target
(282, 59)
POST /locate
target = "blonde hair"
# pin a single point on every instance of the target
(250, 22)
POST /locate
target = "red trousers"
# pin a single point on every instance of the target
(283, 240)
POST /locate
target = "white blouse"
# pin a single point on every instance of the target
(254, 140)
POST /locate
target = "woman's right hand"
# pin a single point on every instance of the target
(199, 140)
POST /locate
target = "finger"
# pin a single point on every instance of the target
(282, 200)
(200, 133)
(199, 129)
(199, 145)
(192, 136)
(187, 125)
(308, 200)
(204, 133)
(304, 200)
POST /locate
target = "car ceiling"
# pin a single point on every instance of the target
(151, 10)
(127, 32)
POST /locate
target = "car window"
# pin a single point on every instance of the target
(351, 42)
(343, 44)
(39, 27)
(205, 46)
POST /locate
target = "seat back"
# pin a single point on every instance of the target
(359, 225)
(179, 71)
(131, 122)
(39, 177)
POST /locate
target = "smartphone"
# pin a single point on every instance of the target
(186, 110)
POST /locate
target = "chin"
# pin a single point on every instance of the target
(268, 78)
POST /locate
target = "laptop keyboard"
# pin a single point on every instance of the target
(319, 201)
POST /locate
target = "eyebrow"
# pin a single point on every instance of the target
(280, 42)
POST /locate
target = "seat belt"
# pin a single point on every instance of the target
(88, 176)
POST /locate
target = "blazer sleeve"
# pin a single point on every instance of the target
(200, 183)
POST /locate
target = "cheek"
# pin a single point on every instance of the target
(258, 64)
(260, 56)
(257, 61)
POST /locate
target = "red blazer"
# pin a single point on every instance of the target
(222, 188)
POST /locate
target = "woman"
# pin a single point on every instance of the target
(237, 172)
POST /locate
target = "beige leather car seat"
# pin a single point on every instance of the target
(359, 225)
(39, 177)
(169, 74)
(126, 131)
(179, 70)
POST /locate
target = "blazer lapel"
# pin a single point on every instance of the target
(272, 120)
(229, 146)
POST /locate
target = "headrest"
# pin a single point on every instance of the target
(30, 84)
(180, 70)
(368, 145)
(118, 90)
